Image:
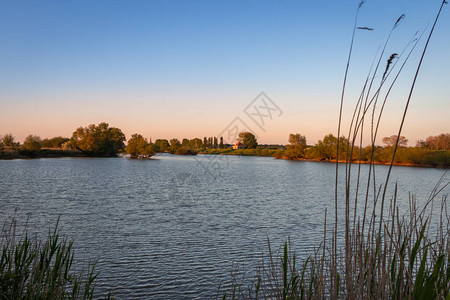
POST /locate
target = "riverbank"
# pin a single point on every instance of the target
(6, 154)
(405, 157)
(398, 164)
(430, 159)
(242, 152)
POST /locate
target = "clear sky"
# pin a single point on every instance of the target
(187, 68)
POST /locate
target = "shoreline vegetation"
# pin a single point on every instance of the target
(433, 152)
(104, 141)
(411, 158)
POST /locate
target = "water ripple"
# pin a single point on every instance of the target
(165, 229)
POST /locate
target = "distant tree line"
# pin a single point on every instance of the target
(439, 142)
(103, 140)
(434, 151)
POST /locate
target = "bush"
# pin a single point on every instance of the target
(438, 159)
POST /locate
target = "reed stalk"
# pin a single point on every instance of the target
(32, 268)
(386, 254)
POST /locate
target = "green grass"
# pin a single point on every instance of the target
(41, 269)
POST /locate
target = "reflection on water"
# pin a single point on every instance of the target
(166, 229)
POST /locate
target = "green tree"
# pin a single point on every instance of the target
(55, 142)
(174, 144)
(297, 146)
(137, 144)
(100, 140)
(185, 142)
(248, 139)
(216, 144)
(205, 142)
(161, 145)
(8, 140)
(297, 139)
(46, 143)
(32, 143)
(221, 142)
(326, 149)
(195, 143)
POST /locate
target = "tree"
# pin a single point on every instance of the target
(439, 142)
(326, 148)
(391, 140)
(195, 143)
(248, 139)
(162, 145)
(185, 142)
(139, 145)
(135, 144)
(32, 143)
(55, 142)
(297, 139)
(205, 142)
(297, 146)
(221, 142)
(422, 144)
(46, 143)
(216, 145)
(100, 140)
(8, 140)
(174, 144)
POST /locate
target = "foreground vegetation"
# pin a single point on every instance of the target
(41, 269)
(402, 261)
(380, 253)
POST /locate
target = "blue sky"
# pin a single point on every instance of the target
(187, 68)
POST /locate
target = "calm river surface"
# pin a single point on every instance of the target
(173, 227)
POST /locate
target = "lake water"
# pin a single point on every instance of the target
(174, 226)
